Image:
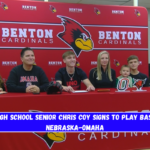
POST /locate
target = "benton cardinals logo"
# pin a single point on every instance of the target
(34, 63)
(97, 11)
(50, 137)
(139, 83)
(137, 13)
(75, 35)
(3, 5)
(116, 63)
(52, 8)
(77, 64)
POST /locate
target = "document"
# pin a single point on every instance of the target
(79, 91)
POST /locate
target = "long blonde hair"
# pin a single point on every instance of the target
(108, 69)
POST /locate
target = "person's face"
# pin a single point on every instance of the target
(28, 58)
(104, 60)
(70, 61)
(133, 64)
(125, 72)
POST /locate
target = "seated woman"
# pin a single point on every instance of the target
(2, 88)
(103, 76)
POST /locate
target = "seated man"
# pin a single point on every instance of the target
(70, 77)
(133, 63)
(27, 77)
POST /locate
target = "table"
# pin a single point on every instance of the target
(76, 102)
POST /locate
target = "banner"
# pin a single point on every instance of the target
(95, 102)
(51, 29)
(75, 122)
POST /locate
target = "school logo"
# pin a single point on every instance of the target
(52, 8)
(3, 5)
(28, 84)
(123, 84)
(9, 63)
(118, 12)
(75, 10)
(116, 63)
(97, 11)
(75, 35)
(137, 13)
(29, 7)
(55, 63)
(28, 79)
(34, 64)
(139, 83)
(77, 64)
(50, 137)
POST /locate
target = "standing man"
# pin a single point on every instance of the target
(133, 63)
(70, 77)
(27, 77)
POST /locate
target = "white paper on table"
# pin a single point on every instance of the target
(79, 91)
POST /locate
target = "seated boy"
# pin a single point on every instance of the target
(133, 63)
(70, 76)
(125, 72)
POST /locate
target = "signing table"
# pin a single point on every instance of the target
(77, 102)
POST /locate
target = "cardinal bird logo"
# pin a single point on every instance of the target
(139, 83)
(77, 64)
(75, 35)
(137, 13)
(34, 63)
(3, 5)
(52, 8)
(116, 62)
(97, 11)
(50, 137)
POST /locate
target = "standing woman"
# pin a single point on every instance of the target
(2, 88)
(103, 76)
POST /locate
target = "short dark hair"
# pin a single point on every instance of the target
(132, 57)
(67, 54)
(25, 49)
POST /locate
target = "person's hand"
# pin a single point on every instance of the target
(90, 88)
(28, 89)
(68, 88)
(32, 89)
(1, 89)
(35, 89)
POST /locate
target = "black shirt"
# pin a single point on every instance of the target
(19, 79)
(141, 76)
(75, 82)
(105, 82)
